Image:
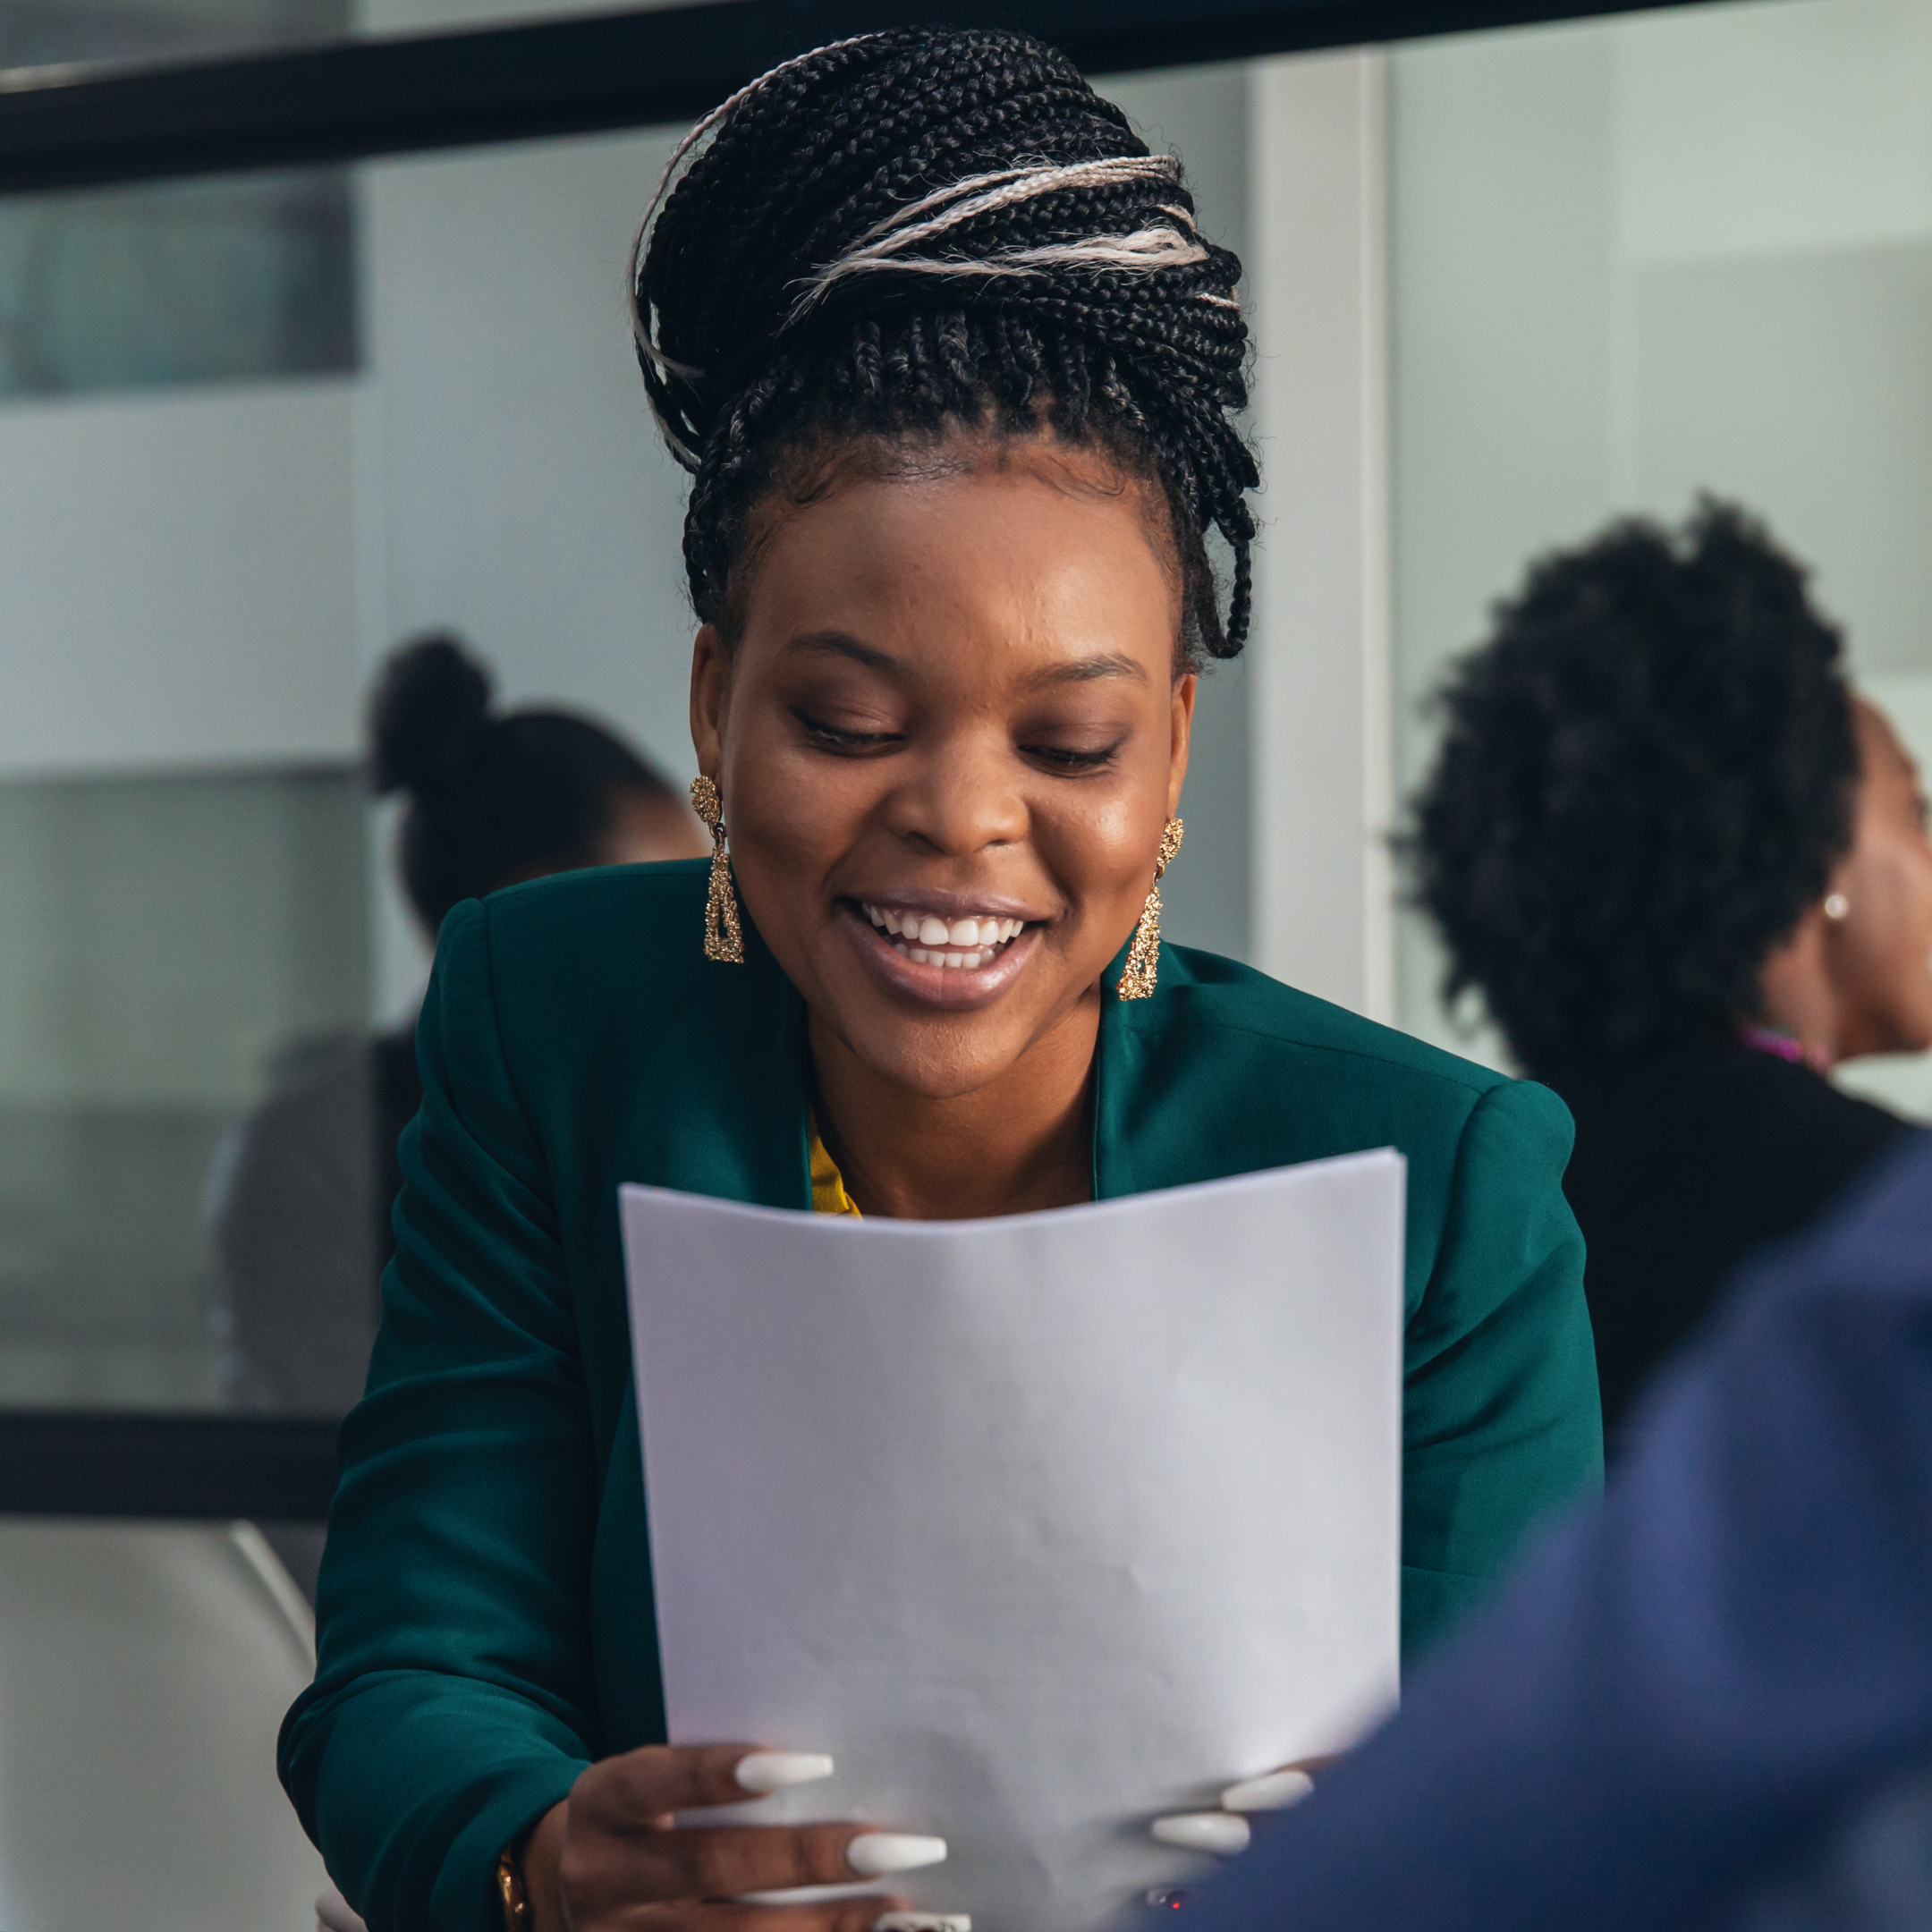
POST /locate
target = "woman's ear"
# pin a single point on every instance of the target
(710, 692)
(1182, 733)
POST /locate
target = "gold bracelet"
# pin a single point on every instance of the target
(516, 1905)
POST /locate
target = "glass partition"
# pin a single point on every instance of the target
(1628, 259)
(253, 434)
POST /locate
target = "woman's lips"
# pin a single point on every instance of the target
(956, 961)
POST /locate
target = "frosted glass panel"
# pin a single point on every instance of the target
(193, 282)
(169, 944)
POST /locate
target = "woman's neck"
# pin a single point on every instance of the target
(1022, 1142)
(1796, 996)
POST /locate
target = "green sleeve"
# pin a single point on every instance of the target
(453, 1700)
(1501, 1422)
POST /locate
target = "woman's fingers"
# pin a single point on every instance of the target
(1274, 1792)
(762, 1771)
(1220, 1832)
(1226, 1831)
(843, 1915)
(625, 1859)
(729, 1915)
(642, 1786)
(880, 1854)
(722, 1861)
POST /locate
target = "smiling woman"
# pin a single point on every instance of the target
(955, 373)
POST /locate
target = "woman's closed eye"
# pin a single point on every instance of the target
(1073, 759)
(852, 738)
(1081, 732)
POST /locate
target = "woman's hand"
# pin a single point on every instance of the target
(615, 1844)
(1226, 1831)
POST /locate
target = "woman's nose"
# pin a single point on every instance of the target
(957, 798)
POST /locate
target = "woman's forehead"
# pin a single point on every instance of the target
(968, 555)
(1038, 455)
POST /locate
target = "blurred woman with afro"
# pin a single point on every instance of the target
(1688, 870)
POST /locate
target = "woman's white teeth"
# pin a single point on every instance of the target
(932, 941)
(927, 930)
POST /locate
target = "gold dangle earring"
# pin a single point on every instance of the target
(1143, 957)
(723, 937)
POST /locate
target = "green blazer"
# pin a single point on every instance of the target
(485, 1610)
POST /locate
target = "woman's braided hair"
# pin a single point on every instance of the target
(928, 226)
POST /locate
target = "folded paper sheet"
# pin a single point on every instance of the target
(1041, 1526)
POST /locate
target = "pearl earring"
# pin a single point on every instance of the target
(1835, 906)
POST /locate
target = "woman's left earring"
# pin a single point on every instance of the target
(723, 937)
(1138, 976)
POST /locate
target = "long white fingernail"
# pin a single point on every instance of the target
(873, 1854)
(923, 1922)
(1204, 1831)
(1273, 1792)
(770, 1771)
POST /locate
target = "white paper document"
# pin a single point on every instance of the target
(1043, 1526)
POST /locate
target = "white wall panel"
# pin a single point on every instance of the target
(526, 500)
(177, 580)
(1320, 723)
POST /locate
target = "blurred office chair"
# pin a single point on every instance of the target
(144, 1669)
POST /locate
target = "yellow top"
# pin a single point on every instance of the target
(828, 1195)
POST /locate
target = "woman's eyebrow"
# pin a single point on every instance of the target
(1085, 670)
(842, 644)
(1089, 670)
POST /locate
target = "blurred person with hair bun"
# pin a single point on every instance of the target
(494, 797)
(304, 1187)
(1686, 869)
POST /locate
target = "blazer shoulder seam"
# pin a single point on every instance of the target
(1481, 1088)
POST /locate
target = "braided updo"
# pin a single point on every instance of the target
(930, 225)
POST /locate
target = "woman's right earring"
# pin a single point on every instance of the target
(1142, 972)
(723, 937)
